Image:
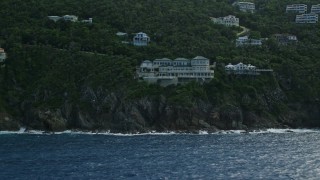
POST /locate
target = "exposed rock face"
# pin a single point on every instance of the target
(7, 122)
(104, 110)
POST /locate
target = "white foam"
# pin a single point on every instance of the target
(200, 132)
(203, 132)
(21, 130)
(282, 131)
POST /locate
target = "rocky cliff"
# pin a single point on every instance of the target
(101, 110)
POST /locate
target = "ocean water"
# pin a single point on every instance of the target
(272, 154)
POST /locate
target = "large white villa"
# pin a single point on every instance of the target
(141, 39)
(297, 8)
(315, 9)
(243, 69)
(307, 18)
(245, 41)
(3, 55)
(245, 6)
(166, 71)
(227, 21)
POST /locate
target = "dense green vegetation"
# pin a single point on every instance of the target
(50, 62)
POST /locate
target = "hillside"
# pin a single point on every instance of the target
(72, 75)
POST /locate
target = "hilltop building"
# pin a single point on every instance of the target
(3, 55)
(141, 39)
(71, 18)
(227, 21)
(245, 6)
(315, 9)
(297, 8)
(167, 72)
(307, 18)
(285, 39)
(245, 41)
(243, 69)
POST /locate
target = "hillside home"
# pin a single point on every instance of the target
(243, 69)
(54, 18)
(245, 6)
(227, 21)
(71, 18)
(141, 39)
(3, 55)
(245, 41)
(307, 18)
(297, 8)
(315, 9)
(285, 39)
(89, 21)
(180, 70)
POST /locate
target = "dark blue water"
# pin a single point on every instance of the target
(229, 156)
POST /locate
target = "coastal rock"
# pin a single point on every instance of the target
(7, 123)
(50, 120)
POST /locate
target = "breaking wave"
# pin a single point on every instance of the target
(24, 130)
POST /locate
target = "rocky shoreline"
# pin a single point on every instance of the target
(110, 112)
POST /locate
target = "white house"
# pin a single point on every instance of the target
(307, 18)
(141, 39)
(89, 21)
(245, 6)
(245, 41)
(3, 55)
(54, 18)
(227, 21)
(243, 69)
(240, 68)
(162, 62)
(180, 70)
(315, 9)
(297, 8)
(71, 18)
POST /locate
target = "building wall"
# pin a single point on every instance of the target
(227, 21)
(307, 18)
(165, 70)
(315, 9)
(141, 39)
(297, 8)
